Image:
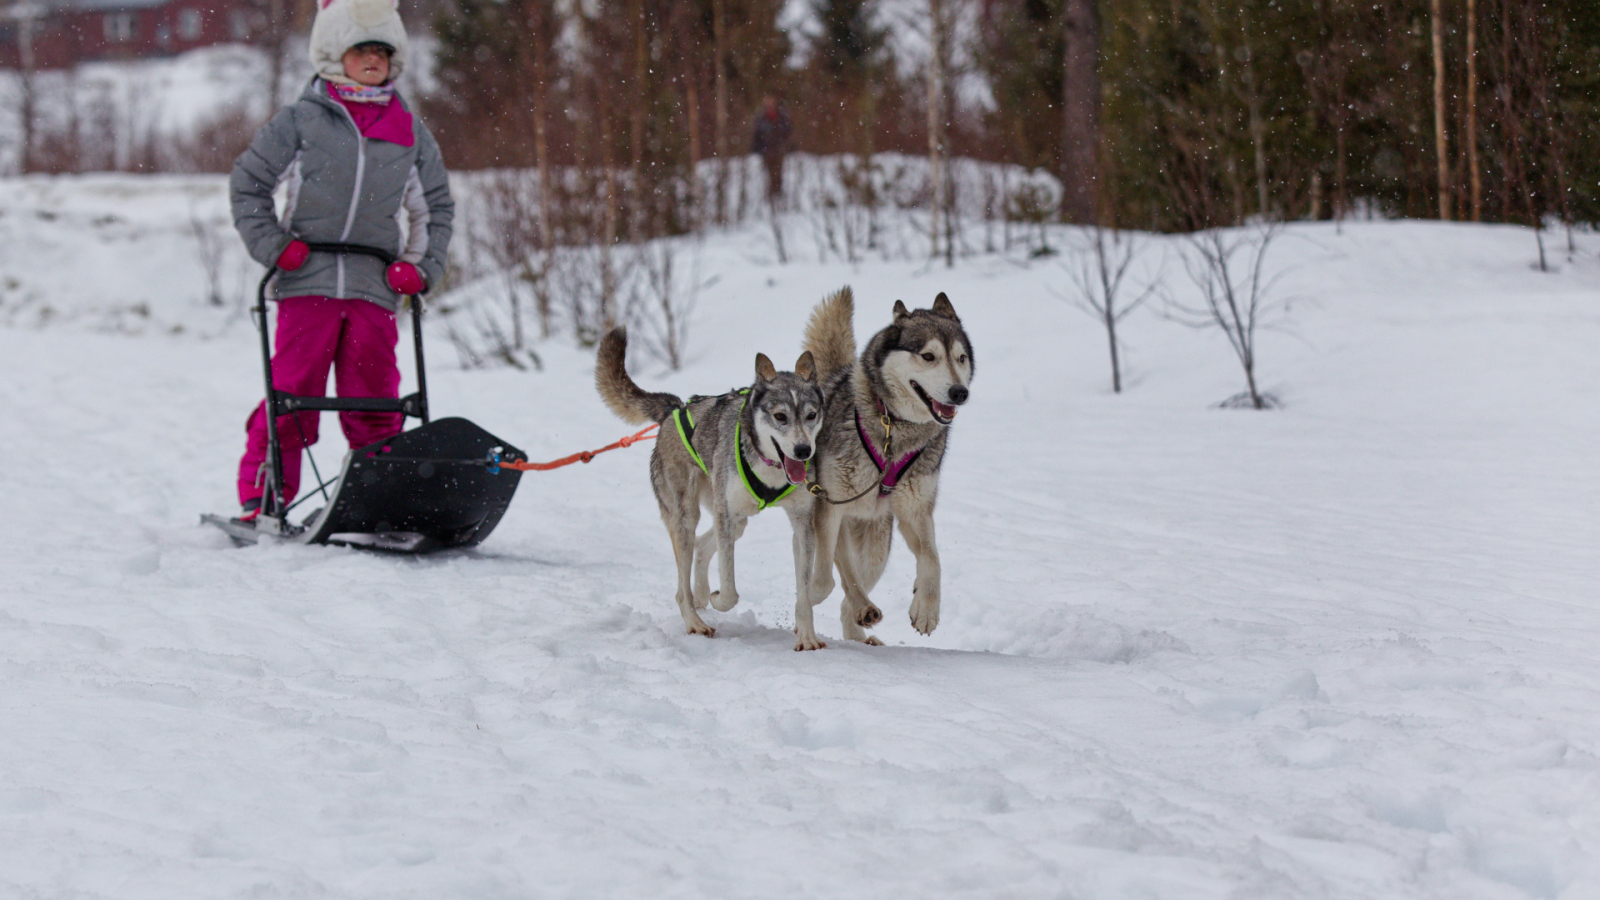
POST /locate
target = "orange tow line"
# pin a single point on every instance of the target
(582, 456)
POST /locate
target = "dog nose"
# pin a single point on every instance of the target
(958, 395)
(802, 452)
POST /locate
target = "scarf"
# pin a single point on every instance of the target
(360, 93)
(381, 120)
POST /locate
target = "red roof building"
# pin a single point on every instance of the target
(60, 34)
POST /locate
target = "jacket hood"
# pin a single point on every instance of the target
(342, 24)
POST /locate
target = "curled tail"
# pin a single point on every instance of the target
(830, 336)
(630, 402)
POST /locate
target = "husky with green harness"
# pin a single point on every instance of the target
(735, 454)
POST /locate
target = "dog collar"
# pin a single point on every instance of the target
(763, 456)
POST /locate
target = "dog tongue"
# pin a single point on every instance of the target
(795, 469)
(945, 410)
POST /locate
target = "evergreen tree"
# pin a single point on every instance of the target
(848, 81)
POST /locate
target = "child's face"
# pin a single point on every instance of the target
(367, 65)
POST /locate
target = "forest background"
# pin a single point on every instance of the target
(1153, 114)
(1161, 115)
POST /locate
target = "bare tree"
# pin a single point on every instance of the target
(1236, 295)
(940, 222)
(1475, 171)
(273, 26)
(1080, 108)
(662, 302)
(1440, 137)
(510, 239)
(27, 17)
(1100, 273)
(638, 92)
(210, 250)
(719, 57)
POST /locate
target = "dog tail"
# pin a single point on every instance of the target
(830, 336)
(630, 402)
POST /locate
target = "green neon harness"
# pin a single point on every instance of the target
(764, 496)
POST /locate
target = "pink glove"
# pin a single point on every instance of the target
(404, 278)
(293, 256)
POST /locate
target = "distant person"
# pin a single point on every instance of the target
(355, 160)
(771, 142)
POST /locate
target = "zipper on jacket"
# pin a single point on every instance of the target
(355, 196)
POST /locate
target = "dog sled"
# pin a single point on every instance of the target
(445, 483)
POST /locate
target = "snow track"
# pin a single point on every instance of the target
(1341, 650)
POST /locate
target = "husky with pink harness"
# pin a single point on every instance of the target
(883, 436)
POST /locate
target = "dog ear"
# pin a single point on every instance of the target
(942, 307)
(900, 311)
(806, 367)
(765, 370)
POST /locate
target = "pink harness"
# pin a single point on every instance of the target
(891, 473)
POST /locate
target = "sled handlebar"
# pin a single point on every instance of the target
(383, 256)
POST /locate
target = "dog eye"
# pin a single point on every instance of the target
(780, 418)
(811, 417)
(962, 358)
(928, 357)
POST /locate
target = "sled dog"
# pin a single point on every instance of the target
(885, 423)
(734, 454)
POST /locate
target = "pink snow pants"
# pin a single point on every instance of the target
(357, 338)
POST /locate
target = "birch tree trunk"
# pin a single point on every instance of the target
(541, 151)
(719, 57)
(1475, 173)
(27, 87)
(938, 160)
(278, 27)
(1441, 139)
(1080, 108)
(696, 194)
(636, 87)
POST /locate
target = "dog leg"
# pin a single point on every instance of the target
(681, 529)
(705, 547)
(805, 551)
(857, 611)
(702, 577)
(917, 529)
(728, 530)
(825, 522)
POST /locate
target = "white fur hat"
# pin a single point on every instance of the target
(342, 24)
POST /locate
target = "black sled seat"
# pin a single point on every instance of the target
(431, 488)
(428, 488)
(434, 487)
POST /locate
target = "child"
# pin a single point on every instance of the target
(355, 160)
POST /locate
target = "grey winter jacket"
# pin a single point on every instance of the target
(342, 188)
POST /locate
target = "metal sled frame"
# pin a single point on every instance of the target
(430, 488)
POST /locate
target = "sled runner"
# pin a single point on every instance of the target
(443, 484)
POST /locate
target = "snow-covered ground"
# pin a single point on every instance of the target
(1345, 649)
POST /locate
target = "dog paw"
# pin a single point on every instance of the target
(869, 616)
(924, 615)
(872, 642)
(811, 643)
(723, 602)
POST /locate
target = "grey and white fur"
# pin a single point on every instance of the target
(777, 422)
(904, 390)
